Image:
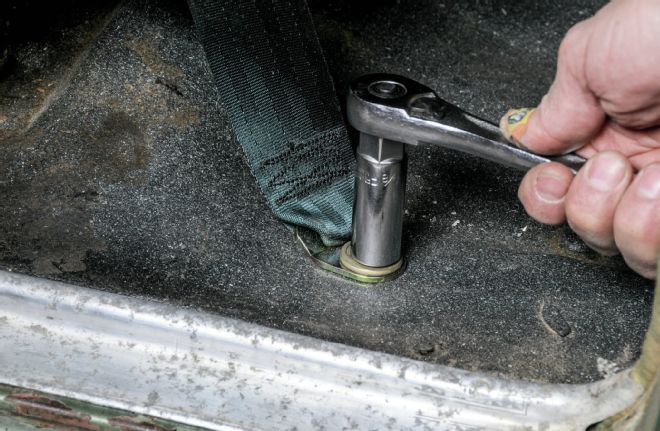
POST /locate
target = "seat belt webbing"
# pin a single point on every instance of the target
(275, 85)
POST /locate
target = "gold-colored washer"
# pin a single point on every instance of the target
(349, 263)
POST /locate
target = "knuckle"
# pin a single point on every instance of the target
(573, 39)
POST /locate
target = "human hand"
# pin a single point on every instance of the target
(604, 103)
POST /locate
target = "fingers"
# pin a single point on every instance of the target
(543, 190)
(637, 222)
(569, 115)
(588, 202)
(593, 198)
(603, 204)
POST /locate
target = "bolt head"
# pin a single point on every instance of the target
(387, 89)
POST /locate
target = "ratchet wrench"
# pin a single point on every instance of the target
(391, 111)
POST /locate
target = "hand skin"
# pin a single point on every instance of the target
(604, 103)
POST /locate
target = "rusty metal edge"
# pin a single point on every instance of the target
(24, 408)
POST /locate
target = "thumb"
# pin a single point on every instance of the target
(569, 115)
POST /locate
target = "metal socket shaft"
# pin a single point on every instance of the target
(380, 186)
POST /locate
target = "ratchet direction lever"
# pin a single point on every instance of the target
(390, 111)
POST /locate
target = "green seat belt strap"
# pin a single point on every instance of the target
(275, 85)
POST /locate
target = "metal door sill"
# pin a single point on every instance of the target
(217, 373)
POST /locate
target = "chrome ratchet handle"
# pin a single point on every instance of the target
(399, 109)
